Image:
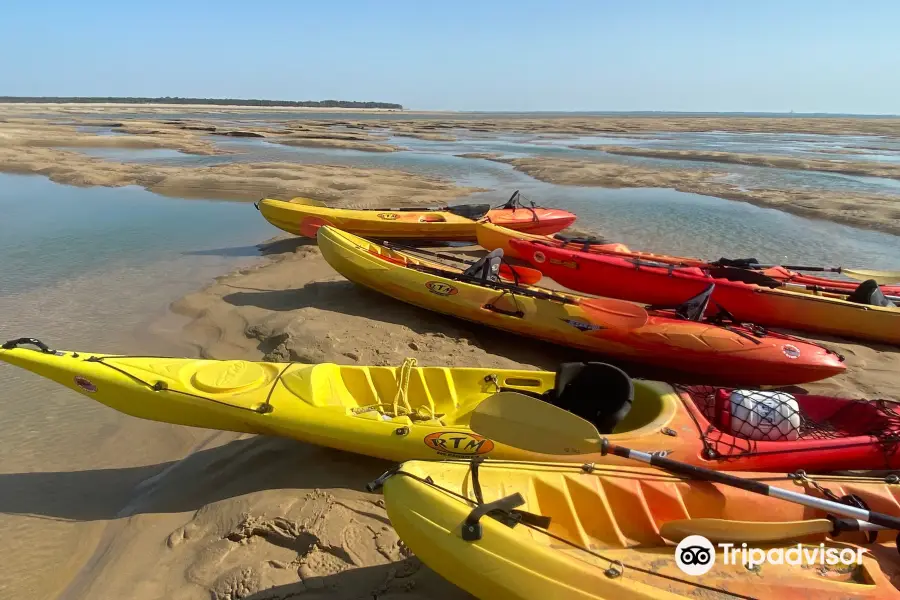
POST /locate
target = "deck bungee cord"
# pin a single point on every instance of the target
(506, 510)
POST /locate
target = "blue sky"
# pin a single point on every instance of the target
(466, 55)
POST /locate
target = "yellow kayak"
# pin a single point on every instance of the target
(395, 413)
(601, 532)
(410, 412)
(456, 223)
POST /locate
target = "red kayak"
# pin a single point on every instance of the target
(865, 313)
(821, 433)
(494, 237)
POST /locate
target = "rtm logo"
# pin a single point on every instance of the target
(458, 443)
(441, 289)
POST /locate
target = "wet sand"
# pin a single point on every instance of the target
(585, 125)
(247, 182)
(325, 142)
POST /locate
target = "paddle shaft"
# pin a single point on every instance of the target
(787, 284)
(859, 275)
(497, 285)
(745, 264)
(521, 275)
(406, 248)
(751, 485)
(760, 531)
(819, 288)
(801, 268)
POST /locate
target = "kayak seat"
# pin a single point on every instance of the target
(487, 268)
(869, 293)
(469, 211)
(595, 391)
(692, 309)
(744, 276)
(587, 240)
(740, 263)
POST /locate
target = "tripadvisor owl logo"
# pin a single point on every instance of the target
(695, 555)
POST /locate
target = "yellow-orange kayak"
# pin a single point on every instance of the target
(602, 532)
(615, 328)
(301, 217)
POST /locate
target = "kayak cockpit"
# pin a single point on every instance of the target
(598, 392)
(422, 393)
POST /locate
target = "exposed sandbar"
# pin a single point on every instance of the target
(870, 211)
(872, 169)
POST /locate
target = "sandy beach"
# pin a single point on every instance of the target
(194, 514)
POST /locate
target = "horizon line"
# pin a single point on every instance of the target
(378, 105)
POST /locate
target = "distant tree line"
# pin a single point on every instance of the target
(214, 101)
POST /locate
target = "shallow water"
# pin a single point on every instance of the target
(440, 158)
(657, 219)
(89, 269)
(781, 144)
(645, 218)
(139, 155)
(53, 232)
(86, 267)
